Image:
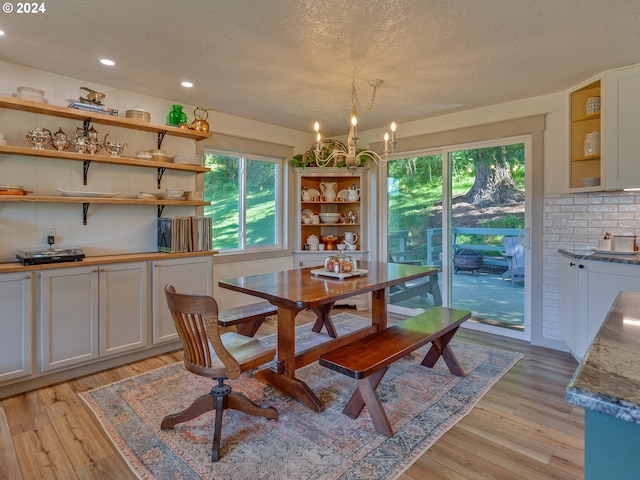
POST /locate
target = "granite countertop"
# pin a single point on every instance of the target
(629, 258)
(608, 378)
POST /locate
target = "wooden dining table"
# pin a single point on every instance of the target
(292, 291)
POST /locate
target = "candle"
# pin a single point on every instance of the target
(386, 142)
(393, 131)
(316, 127)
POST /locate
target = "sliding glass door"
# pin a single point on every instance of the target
(467, 216)
(486, 231)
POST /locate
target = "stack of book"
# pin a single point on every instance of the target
(184, 234)
(91, 107)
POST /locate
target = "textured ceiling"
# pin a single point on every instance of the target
(291, 62)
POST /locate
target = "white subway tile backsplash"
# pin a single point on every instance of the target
(575, 222)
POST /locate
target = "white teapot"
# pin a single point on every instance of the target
(313, 240)
(353, 194)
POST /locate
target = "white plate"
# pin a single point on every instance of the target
(72, 193)
(147, 196)
(188, 159)
(313, 193)
(11, 187)
(343, 194)
(307, 213)
(31, 91)
(322, 272)
(31, 98)
(612, 252)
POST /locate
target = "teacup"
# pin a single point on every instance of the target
(351, 246)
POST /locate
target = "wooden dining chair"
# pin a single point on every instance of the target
(220, 356)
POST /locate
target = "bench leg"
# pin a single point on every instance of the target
(366, 394)
(323, 313)
(440, 348)
(249, 328)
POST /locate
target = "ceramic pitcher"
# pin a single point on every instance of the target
(354, 194)
(329, 191)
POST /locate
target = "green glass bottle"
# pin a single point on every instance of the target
(176, 116)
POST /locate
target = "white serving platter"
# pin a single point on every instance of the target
(73, 193)
(322, 272)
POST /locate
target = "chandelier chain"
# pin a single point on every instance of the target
(354, 94)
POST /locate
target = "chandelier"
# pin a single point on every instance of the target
(349, 154)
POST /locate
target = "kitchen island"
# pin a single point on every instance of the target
(607, 385)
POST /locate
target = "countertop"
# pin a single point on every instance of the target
(631, 258)
(608, 378)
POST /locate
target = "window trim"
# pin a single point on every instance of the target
(281, 248)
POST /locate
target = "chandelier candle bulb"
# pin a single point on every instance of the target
(386, 141)
(393, 132)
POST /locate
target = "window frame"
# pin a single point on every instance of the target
(281, 232)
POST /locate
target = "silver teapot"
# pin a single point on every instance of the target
(39, 137)
(79, 143)
(92, 145)
(59, 140)
(114, 149)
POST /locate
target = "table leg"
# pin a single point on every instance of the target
(323, 313)
(440, 348)
(284, 376)
(379, 308)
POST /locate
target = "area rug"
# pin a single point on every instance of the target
(421, 403)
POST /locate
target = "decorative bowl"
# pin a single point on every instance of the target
(175, 192)
(328, 217)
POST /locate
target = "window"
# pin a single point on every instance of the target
(245, 192)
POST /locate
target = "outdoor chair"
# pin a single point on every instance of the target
(514, 253)
(413, 288)
(220, 356)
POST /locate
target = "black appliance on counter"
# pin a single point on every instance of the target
(40, 256)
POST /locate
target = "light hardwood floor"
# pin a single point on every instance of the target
(521, 429)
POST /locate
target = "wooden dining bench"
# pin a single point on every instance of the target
(368, 359)
(247, 318)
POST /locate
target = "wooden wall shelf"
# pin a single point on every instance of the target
(84, 116)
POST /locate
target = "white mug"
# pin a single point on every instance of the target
(350, 237)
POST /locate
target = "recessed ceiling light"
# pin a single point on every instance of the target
(187, 84)
(1, 32)
(106, 61)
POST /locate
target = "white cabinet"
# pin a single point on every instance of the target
(188, 275)
(569, 300)
(15, 340)
(68, 317)
(622, 120)
(124, 312)
(616, 163)
(92, 312)
(587, 296)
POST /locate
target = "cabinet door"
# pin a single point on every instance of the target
(188, 275)
(599, 283)
(622, 118)
(69, 317)
(568, 301)
(15, 341)
(124, 299)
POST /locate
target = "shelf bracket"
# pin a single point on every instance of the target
(85, 170)
(161, 135)
(160, 210)
(85, 209)
(161, 171)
